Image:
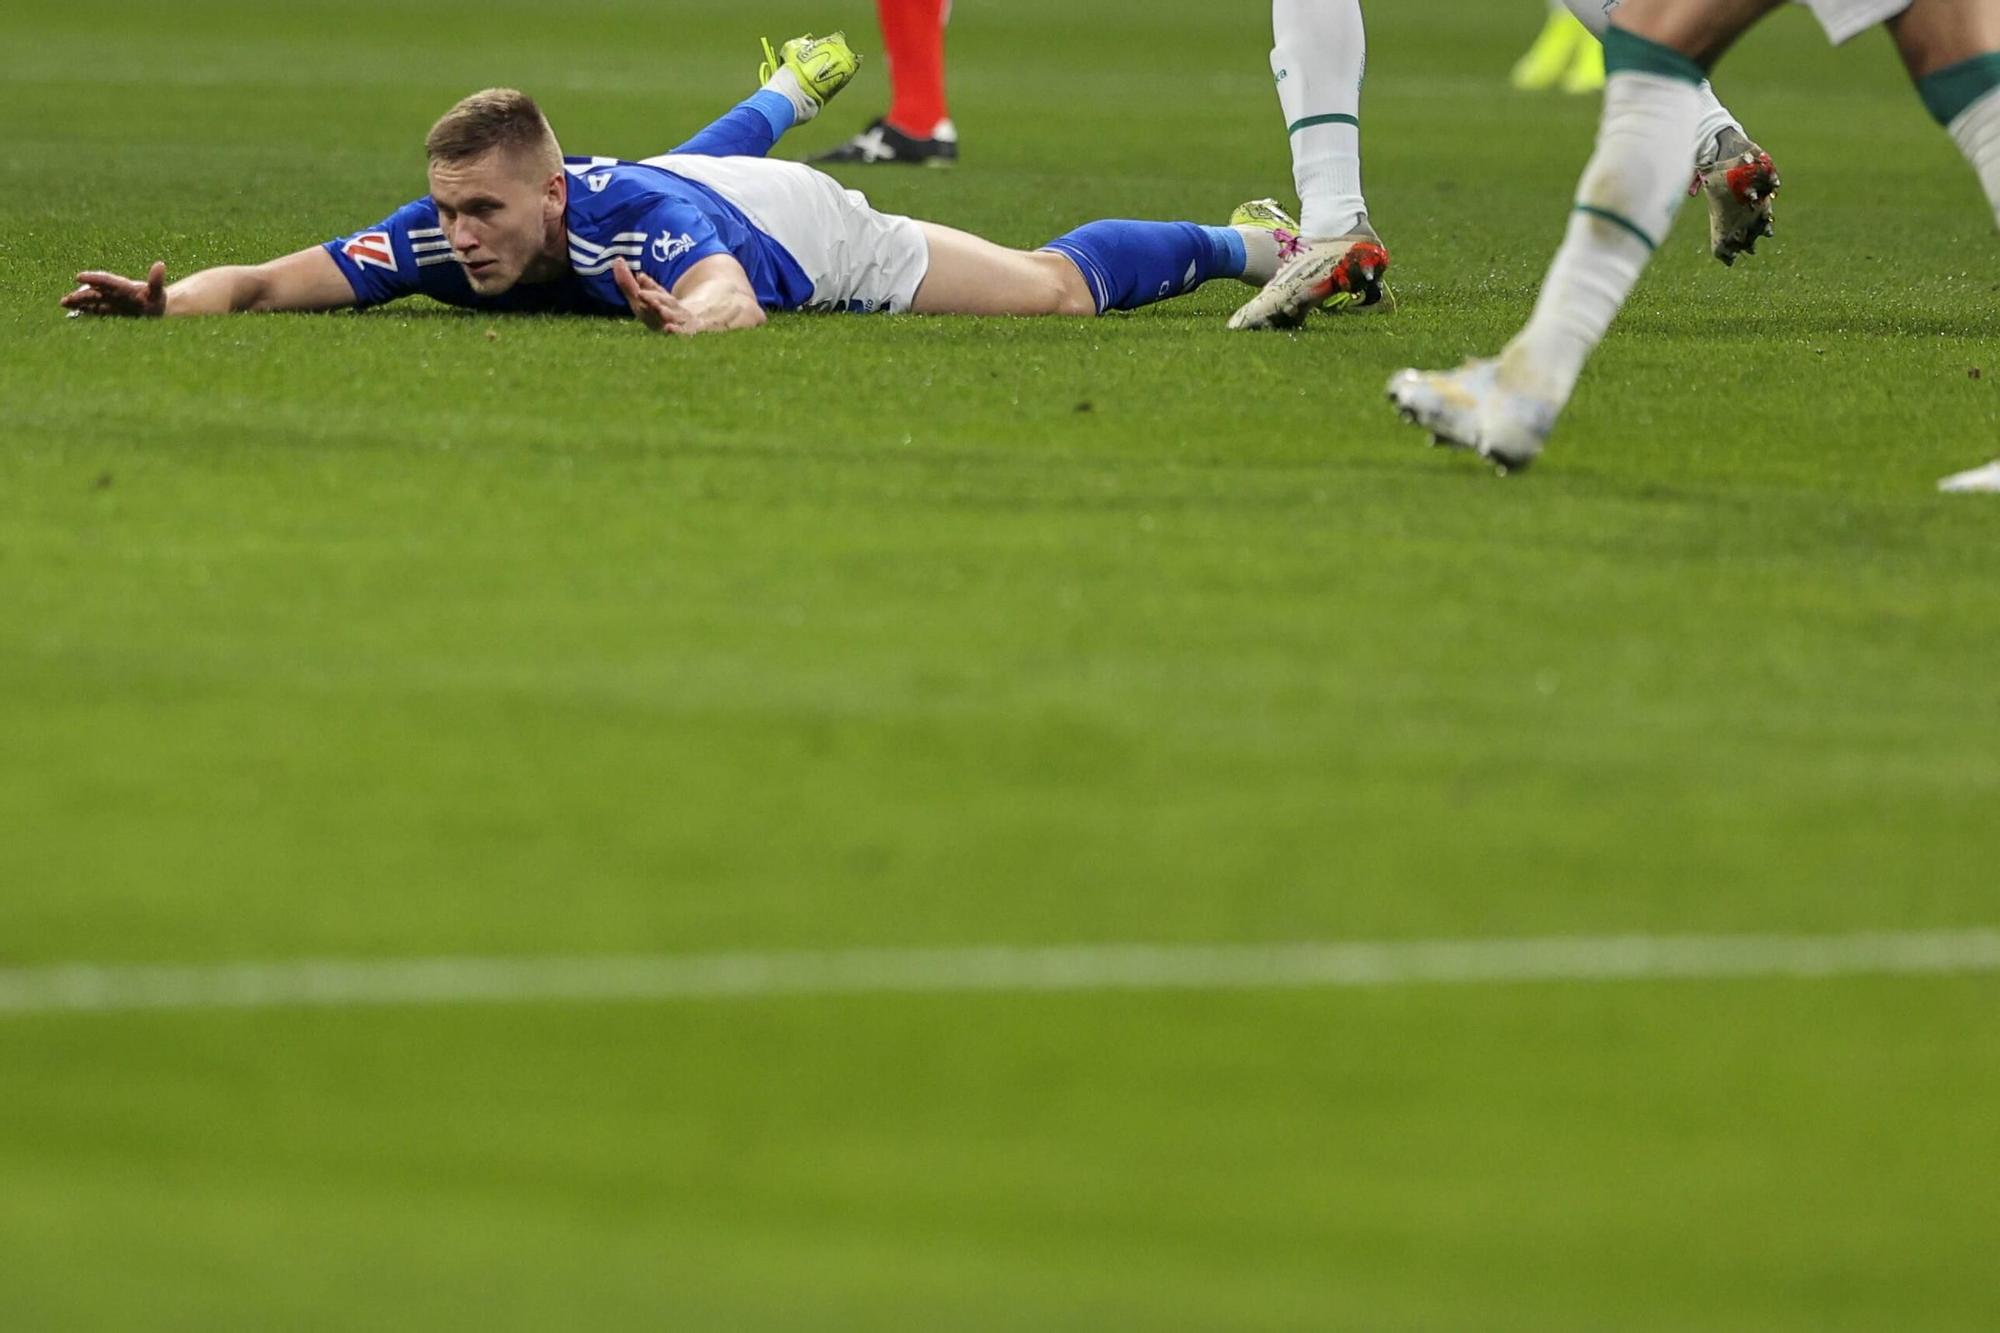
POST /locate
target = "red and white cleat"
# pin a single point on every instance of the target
(1739, 182)
(1341, 273)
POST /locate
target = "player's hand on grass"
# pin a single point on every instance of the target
(109, 294)
(655, 306)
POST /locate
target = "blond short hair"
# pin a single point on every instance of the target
(495, 118)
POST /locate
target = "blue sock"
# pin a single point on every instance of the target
(1130, 264)
(747, 130)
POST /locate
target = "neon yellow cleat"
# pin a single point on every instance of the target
(1268, 214)
(822, 65)
(1550, 60)
(1586, 70)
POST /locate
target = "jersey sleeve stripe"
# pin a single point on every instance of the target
(617, 242)
(627, 251)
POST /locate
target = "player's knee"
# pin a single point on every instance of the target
(1073, 299)
(1064, 292)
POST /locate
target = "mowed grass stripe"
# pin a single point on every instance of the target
(83, 988)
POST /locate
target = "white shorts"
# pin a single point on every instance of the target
(856, 258)
(1842, 19)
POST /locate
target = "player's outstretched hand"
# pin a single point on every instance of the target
(108, 294)
(653, 304)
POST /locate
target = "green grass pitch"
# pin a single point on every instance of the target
(419, 633)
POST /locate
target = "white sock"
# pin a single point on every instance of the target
(1318, 56)
(1627, 200)
(1260, 254)
(1715, 117)
(1977, 130)
(786, 84)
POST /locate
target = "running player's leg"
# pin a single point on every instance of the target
(913, 39)
(1100, 266)
(1656, 54)
(798, 79)
(1952, 51)
(1735, 224)
(1318, 54)
(1715, 117)
(917, 129)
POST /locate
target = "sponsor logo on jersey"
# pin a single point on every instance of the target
(371, 249)
(668, 247)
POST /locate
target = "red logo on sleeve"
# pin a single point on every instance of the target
(372, 249)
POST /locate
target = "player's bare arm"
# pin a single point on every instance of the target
(308, 280)
(713, 296)
(717, 292)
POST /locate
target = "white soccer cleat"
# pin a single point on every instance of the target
(1469, 408)
(1340, 273)
(1739, 183)
(1977, 481)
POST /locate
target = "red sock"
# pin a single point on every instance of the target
(913, 38)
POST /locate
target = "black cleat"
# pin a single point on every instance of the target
(883, 142)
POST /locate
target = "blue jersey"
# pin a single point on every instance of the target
(658, 223)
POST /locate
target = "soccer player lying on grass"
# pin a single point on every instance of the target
(1657, 53)
(706, 238)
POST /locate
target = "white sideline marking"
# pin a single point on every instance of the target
(91, 988)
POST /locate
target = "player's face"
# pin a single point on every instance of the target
(499, 212)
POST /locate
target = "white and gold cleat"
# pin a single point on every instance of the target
(1469, 408)
(1976, 481)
